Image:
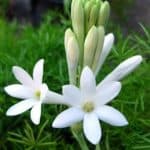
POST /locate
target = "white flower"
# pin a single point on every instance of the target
(32, 91)
(89, 103)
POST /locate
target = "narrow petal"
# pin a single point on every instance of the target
(20, 107)
(92, 129)
(108, 43)
(123, 69)
(111, 116)
(72, 95)
(36, 113)
(44, 90)
(22, 76)
(38, 72)
(54, 98)
(68, 117)
(87, 82)
(107, 92)
(19, 91)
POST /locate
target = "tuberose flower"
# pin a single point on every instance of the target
(89, 103)
(32, 91)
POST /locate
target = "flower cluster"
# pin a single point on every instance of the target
(86, 47)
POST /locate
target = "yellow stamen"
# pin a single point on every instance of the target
(38, 94)
(88, 106)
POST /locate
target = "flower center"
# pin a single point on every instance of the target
(38, 94)
(88, 107)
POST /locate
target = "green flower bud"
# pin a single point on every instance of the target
(104, 13)
(101, 34)
(77, 16)
(90, 46)
(87, 10)
(93, 16)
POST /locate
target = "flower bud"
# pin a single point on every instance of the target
(72, 53)
(90, 46)
(93, 16)
(104, 13)
(68, 35)
(99, 47)
(77, 16)
(87, 9)
(108, 43)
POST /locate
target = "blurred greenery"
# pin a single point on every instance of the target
(121, 8)
(24, 45)
(3, 7)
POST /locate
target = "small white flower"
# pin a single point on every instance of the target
(89, 103)
(32, 91)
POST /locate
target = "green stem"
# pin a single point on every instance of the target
(107, 140)
(80, 139)
(97, 147)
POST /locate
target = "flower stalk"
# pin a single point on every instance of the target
(80, 139)
(89, 18)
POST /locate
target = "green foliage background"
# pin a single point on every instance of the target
(121, 7)
(3, 7)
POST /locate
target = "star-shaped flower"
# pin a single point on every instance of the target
(89, 103)
(32, 91)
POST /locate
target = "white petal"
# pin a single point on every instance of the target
(36, 113)
(111, 116)
(22, 76)
(44, 90)
(68, 117)
(38, 72)
(54, 98)
(92, 129)
(107, 92)
(20, 107)
(72, 95)
(19, 91)
(87, 82)
(123, 69)
(108, 43)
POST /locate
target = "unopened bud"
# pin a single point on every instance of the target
(77, 16)
(93, 16)
(104, 13)
(90, 46)
(108, 43)
(68, 35)
(99, 47)
(87, 10)
(72, 58)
